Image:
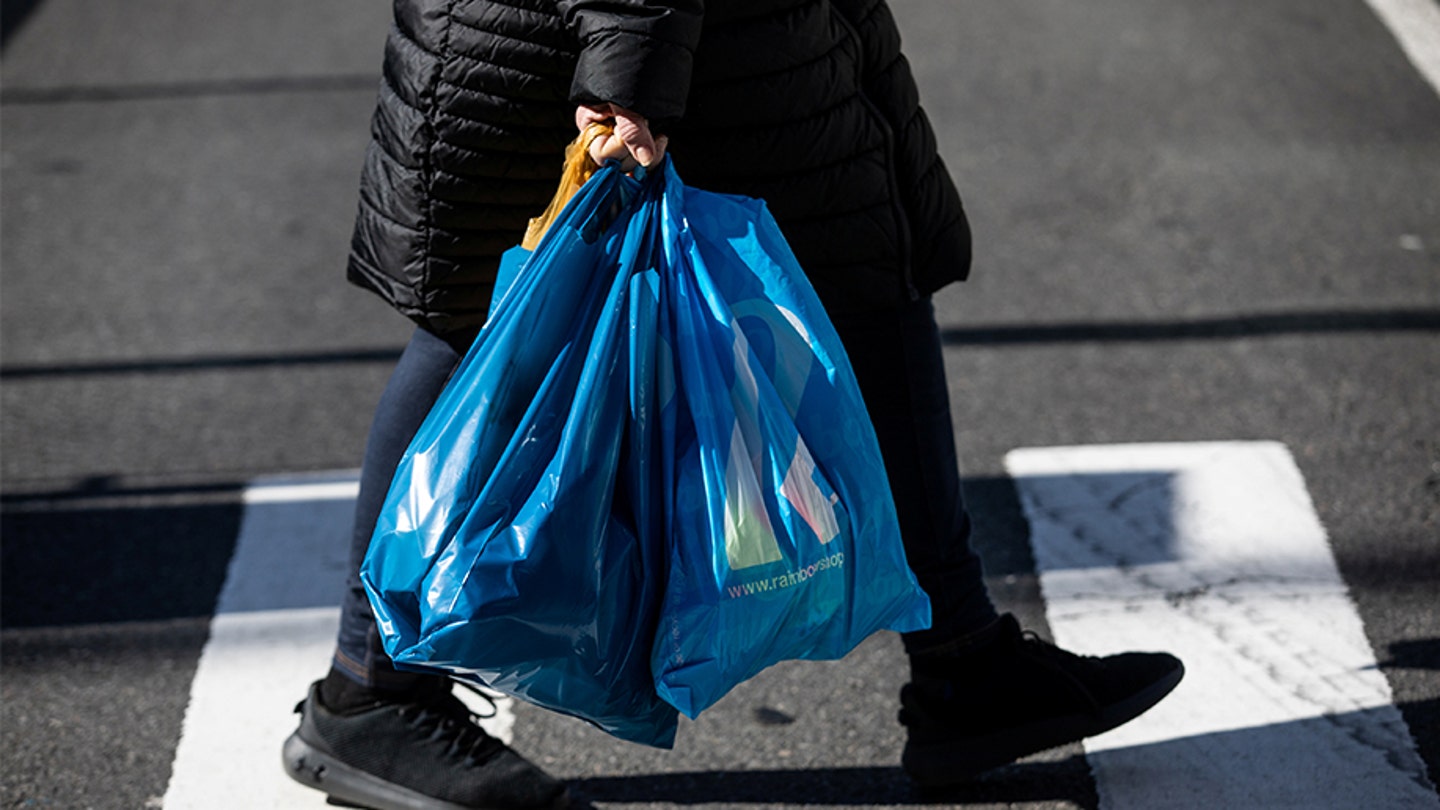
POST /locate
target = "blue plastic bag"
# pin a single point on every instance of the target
(650, 478)
(782, 535)
(518, 545)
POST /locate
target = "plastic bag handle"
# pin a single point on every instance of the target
(579, 167)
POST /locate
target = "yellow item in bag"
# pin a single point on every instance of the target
(579, 166)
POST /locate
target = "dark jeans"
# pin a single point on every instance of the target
(415, 384)
(898, 360)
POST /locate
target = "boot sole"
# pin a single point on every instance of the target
(349, 786)
(950, 762)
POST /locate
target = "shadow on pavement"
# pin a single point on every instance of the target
(1066, 779)
(1418, 654)
(120, 563)
(1289, 764)
(1226, 328)
(13, 14)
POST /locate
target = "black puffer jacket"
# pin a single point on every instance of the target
(807, 104)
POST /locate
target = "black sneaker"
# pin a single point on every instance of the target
(418, 751)
(1018, 695)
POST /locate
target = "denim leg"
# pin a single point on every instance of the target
(899, 363)
(415, 384)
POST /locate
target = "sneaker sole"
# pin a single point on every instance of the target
(951, 762)
(349, 786)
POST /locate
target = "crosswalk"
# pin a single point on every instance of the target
(1212, 551)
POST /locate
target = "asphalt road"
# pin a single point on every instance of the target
(1194, 222)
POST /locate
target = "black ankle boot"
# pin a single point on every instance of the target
(1013, 695)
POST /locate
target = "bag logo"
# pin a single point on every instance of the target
(749, 536)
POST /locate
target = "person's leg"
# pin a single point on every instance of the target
(374, 736)
(418, 378)
(982, 692)
(900, 365)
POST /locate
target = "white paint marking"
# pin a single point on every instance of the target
(303, 490)
(272, 634)
(1214, 552)
(1416, 25)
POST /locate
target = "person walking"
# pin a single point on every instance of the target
(807, 104)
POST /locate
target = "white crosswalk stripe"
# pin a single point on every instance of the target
(1214, 552)
(1416, 27)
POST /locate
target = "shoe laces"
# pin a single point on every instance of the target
(1043, 648)
(446, 719)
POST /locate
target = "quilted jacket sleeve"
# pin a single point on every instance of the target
(635, 53)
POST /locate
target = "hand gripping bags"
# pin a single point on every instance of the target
(782, 536)
(650, 478)
(518, 545)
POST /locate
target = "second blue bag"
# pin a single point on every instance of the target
(783, 541)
